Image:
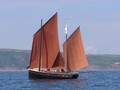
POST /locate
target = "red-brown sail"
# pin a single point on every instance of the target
(51, 40)
(59, 62)
(35, 51)
(50, 45)
(74, 52)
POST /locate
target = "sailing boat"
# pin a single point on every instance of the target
(46, 60)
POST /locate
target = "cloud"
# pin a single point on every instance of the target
(90, 50)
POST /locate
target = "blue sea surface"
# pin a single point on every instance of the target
(88, 80)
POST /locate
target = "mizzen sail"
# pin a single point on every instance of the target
(74, 52)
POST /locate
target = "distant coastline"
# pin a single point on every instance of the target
(17, 60)
(11, 70)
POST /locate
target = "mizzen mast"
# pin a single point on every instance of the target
(66, 47)
(66, 29)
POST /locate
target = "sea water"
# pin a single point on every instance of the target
(88, 80)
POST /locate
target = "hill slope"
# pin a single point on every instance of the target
(11, 59)
(105, 61)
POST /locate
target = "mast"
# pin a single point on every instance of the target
(66, 47)
(40, 58)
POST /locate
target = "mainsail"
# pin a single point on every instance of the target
(74, 54)
(45, 48)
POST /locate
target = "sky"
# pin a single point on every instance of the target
(99, 21)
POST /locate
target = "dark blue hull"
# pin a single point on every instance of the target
(50, 75)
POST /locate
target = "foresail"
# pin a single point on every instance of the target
(74, 52)
(59, 62)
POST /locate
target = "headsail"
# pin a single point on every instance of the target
(50, 44)
(59, 61)
(74, 52)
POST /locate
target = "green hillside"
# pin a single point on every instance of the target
(12, 59)
(103, 60)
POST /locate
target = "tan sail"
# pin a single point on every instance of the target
(74, 52)
(50, 45)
